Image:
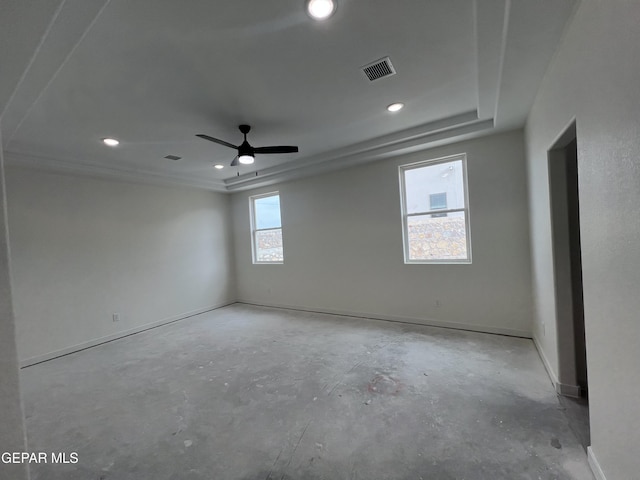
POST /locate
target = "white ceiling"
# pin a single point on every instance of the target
(155, 73)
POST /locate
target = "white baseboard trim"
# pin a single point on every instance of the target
(595, 465)
(389, 318)
(427, 322)
(545, 361)
(563, 389)
(567, 390)
(115, 336)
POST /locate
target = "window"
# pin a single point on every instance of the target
(266, 228)
(435, 214)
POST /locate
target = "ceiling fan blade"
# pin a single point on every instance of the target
(215, 140)
(234, 162)
(277, 149)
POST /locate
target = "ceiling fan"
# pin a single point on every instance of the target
(246, 153)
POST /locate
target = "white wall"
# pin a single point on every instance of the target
(342, 236)
(595, 77)
(85, 248)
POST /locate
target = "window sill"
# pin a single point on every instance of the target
(438, 262)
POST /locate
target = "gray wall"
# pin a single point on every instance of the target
(12, 435)
(342, 236)
(85, 248)
(22, 25)
(595, 78)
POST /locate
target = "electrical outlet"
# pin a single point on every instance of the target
(116, 317)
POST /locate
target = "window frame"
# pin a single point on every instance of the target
(405, 216)
(255, 230)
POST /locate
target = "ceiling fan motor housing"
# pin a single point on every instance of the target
(245, 149)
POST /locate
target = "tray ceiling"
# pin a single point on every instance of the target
(155, 73)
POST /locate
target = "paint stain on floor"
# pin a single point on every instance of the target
(384, 385)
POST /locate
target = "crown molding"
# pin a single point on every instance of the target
(27, 160)
(413, 139)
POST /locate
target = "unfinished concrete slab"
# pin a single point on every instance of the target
(251, 393)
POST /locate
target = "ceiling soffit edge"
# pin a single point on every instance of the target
(71, 23)
(13, 158)
(351, 160)
(491, 23)
(394, 141)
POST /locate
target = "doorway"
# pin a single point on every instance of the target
(567, 263)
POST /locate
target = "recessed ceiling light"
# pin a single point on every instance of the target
(321, 9)
(112, 142)
(395, 107)
(218, 166)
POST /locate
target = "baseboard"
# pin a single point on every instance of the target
(563, 389)
(567, 390)
(389, 318)
(595, 465)
(392, 318)
(115, 336)
(545, 361)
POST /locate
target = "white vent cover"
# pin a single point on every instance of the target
(379, 69)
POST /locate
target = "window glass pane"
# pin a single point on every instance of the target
(434, 237)
(268, 244)
(267, 212)
(442, 178)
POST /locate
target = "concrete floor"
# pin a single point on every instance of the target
(577, 413)
(248, 393)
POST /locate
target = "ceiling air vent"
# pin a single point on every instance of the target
(379, 69)
(172, 157)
